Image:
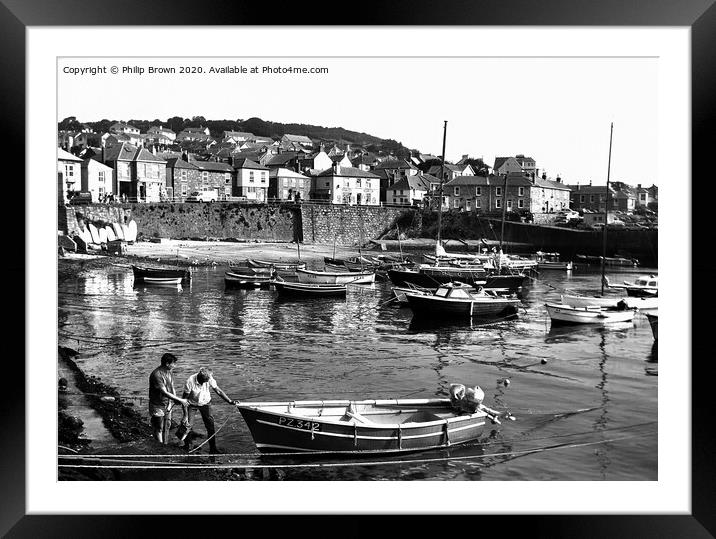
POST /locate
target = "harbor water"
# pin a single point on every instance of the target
(584, 398)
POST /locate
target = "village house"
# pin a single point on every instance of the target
(285, 184)
(593, 198)
(193, 134)
(96, 179)
(469, 193)
(411, 190)
(450, 171)
(124, 128)
(529, 165)
(215, 176)
(161, 131)
(346, 185)
(182, 178)
(88, 140)
(236, 137)
(647, 196)
(390, 171)
(137, 174)
(298, 139)
(252, 180)
(69, 176)
(318, 162)
(522, 193)
(366, 161)
(506, 165)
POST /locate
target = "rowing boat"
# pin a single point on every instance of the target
(363, 426)
(160, 275)
(566, 314)
(335, 277)
(285, 288)
(251, 280)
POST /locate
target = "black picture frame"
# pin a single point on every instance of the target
(699, 15)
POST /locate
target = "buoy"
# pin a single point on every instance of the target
(544, 361)
(507, 382)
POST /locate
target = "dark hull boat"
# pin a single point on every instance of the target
(160, 275)
(285, 288)
(366, 426)
(654, 323)
(460, 300)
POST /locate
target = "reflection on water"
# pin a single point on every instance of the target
(570, 384)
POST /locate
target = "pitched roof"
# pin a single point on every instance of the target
(285, 173)
(129, 152)
(298, 138)
(469, 180)
(281, 158)
(395, 163)
(213, 166)
(238, 134)
(347, 172)
(418, 182)
(66, 156)
(175, 162)
(244, 162)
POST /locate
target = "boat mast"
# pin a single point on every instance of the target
(504, 210)
(442, 176)
(606, 207)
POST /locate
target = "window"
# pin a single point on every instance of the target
(263, 177)
(509, 204)
(478, 203)
(498, 192)
(183, 175)
(69, 171)
(251, 176)
(100, 177)
(293, 182)
(457, 191)
(205, 177)
(520, 203)
(227, 178)
(521, 191)
(591, 198)
(456, 204)
(468, 206)
(498, 203)
(358, 182)
(582, 198)
(478, 191)
(184, 189)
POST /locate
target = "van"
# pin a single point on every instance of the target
(206, 195)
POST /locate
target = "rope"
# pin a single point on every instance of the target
(319, 453)
(213, 435)
(513, 454)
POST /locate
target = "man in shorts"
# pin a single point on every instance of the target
(197, 393)
(161, 395)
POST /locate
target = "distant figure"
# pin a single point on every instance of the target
(197, 393)
(297, 198)
(162, 397)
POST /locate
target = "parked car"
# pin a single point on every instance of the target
(207, 195)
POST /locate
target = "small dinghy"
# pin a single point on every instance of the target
(160, 275)
(335, 277)
(566, 314)
(369, 426)
(285, 288)
(249, 280)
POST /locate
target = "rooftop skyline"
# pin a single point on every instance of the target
(555, 110)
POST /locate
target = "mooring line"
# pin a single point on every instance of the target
(320, 453)
(356, 463)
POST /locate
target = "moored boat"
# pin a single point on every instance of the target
(335, 277)
(460, 299)
(156, 275)
(566, 314)
(285, 288)
(551, 261)
(162, 280)
(248, 280)
(642, 303)
(363, 426)
(644, 285)
(276, 264)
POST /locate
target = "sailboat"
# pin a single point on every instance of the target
(597, 310)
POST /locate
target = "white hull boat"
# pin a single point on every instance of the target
(566, 314)
(643, 303)
(335, 277)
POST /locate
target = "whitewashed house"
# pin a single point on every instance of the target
(96, 179)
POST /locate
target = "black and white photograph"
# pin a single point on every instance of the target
(422, 258)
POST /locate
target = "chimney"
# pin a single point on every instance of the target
(638, 186)
(590, 183)
(336, 168)
(559, 180)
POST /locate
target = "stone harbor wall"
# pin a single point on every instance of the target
(220, 220)
(354, 225)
